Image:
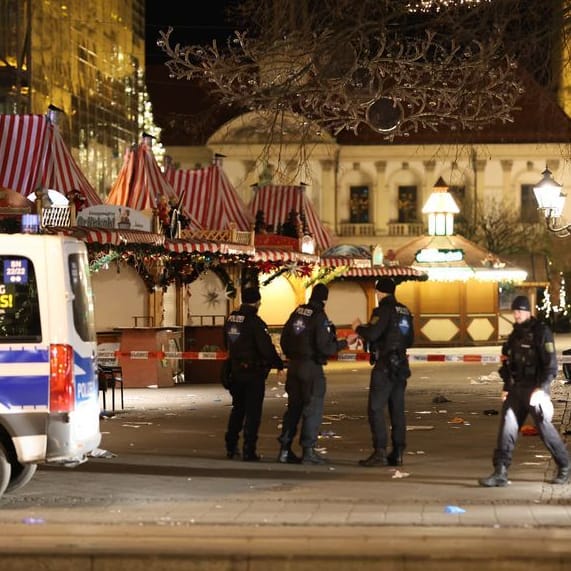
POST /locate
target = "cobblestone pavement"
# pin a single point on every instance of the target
(162, 485)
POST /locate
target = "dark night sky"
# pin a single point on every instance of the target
(193, 23)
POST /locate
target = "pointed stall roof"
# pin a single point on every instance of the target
(277, 201)
(456, 257)
(209, 196)
(34, 155)
(141, 184)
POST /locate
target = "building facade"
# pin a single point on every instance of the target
(85, 57)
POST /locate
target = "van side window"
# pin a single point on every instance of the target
(83, 315)
(19, 303)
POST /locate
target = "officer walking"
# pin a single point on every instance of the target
(308, 339)
(252, 355)
(529, 366)
(388, 333)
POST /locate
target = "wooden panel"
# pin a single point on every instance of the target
(481, 297)
(440, 297)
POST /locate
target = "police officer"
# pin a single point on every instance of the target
(529, 365)
(308, 339)
(388, 333)
(252, 355)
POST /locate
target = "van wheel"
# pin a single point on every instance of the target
(21, 474)
(5, 470)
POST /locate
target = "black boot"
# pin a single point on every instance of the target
(395, 458)
(377, 458)
(232, 453)
(310, 456)
(562, 476)
(498, 479)
(287, 456)
(249, 454)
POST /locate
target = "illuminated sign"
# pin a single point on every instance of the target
(435, 255)
(16, 271)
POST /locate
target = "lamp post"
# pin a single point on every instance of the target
(551, 200)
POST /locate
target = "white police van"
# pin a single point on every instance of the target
(49, 391)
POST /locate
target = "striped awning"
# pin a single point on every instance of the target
(33, 155)
(209, 196)
(141, 184)
(390, 271)
(277, 201)
(283, 255)
(106, 236)
(191, 247)
(336, 262)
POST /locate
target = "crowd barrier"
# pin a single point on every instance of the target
(341, 356)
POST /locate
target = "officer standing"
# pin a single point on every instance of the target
(388, 333)
(252, 356)
(529, 366)
(308, 339)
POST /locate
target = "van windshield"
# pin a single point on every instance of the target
(19, 304)
(83, 314)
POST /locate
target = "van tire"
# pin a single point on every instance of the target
(21, 474)
(5, 469)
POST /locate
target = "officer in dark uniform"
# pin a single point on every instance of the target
(529, 365)
(252, 356)
(307, 340)
(388, 334)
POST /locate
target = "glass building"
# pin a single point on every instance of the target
(85, 57)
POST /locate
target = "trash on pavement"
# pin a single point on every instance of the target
(427, 427)
(454, 510)
(100, 453)
(529, 430)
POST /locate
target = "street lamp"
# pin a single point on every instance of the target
(551, 200)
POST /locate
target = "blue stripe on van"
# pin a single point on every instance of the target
(25, 356)
(21, 391)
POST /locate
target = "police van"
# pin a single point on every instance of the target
(49, 391)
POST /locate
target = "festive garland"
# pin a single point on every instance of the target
(325, 275)
(159, 268)
(293, 269)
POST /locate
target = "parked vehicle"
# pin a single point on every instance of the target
(49, 400)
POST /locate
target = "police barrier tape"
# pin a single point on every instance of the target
(341, 356)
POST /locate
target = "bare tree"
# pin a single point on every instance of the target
(499, 229)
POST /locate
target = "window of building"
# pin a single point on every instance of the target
(528, 204)
(359, 204)
(407, 204)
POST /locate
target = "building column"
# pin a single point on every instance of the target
(429, 182)
(478, 167)
(380, 200)
(327, 211)
(507, 191)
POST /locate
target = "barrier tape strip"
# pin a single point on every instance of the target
(341, 356)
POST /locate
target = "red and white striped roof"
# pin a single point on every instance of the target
(141, 183)
(277, 201)
(33, 155)
(210, 197)
(390, 271)
(283, 255)
(192, 246)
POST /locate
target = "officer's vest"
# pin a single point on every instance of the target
(399, 334)
(524, 361)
